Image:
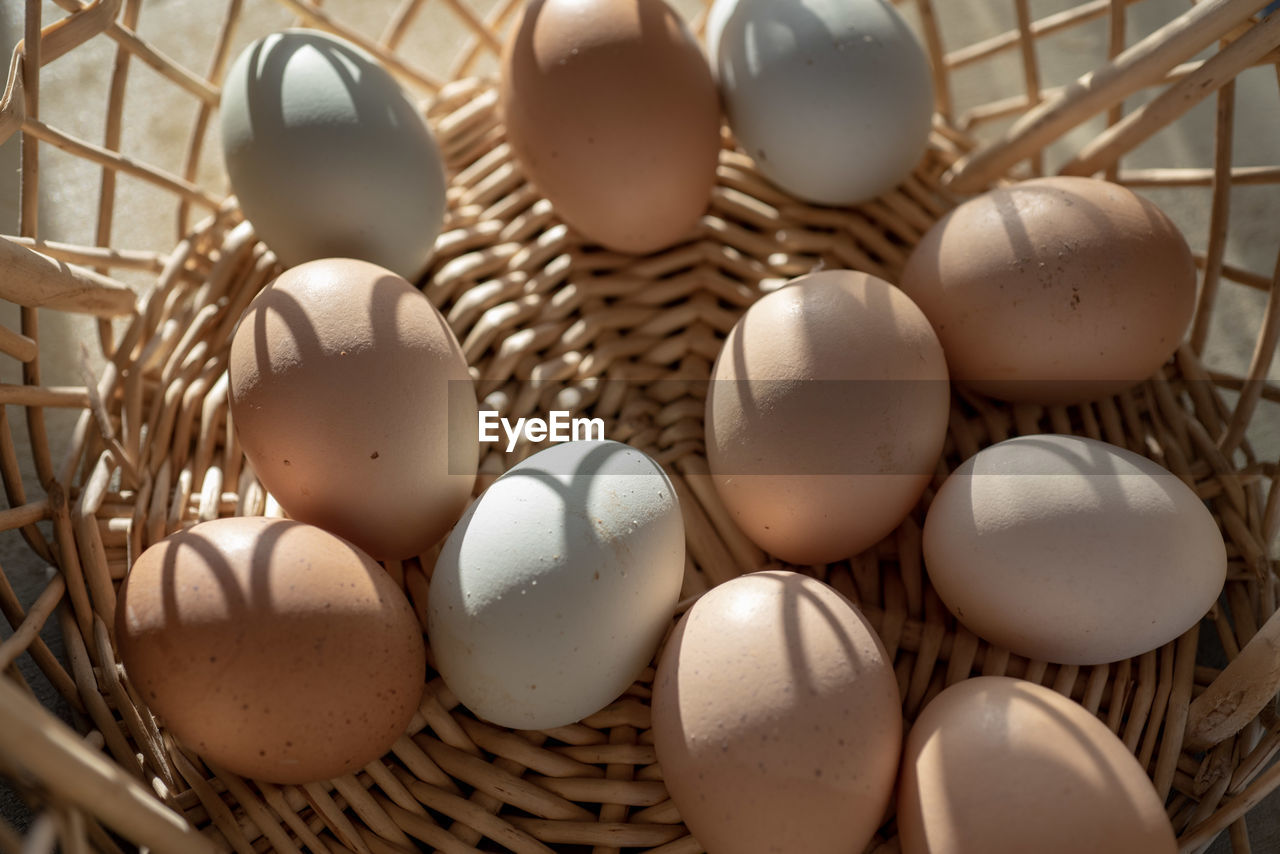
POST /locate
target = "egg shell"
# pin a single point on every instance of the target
(995, 765)
(776, 719)
(351, 399)
(826, 415)
(833, 100)
(327, 156)
(1054, 290)
(271, 648)
(1071, 550)
(553, 591)
(612, 111)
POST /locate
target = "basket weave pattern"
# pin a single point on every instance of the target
(550, 322)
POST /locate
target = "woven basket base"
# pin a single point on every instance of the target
(549, 322)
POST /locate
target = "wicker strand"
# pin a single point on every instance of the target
(1251, 392)
(49, 750)
(1038, 28)
(1140, 124)
(1140, 64)
(1219, 213)
(195, 142)
(111, 140)
(99, 16)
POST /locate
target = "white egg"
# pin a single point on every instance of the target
(1071, 550)
(832, 98)
(327, 156)
(553, 591)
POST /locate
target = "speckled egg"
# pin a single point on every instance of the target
(352, 400)
(551, 594)
(272, 648)
(1054, 290)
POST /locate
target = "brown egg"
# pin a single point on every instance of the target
(776, 719)
(1055, 290)
(611, 108)
(352, 400)
(826, 415)
(271, 648)
(1001, 766)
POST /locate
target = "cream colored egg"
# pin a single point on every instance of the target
(826, 414)
(776, 719)
(1001, 766)
(1070, 550)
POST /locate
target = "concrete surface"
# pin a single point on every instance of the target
(157, 117)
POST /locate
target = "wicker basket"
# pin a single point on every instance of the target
(148, 448)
